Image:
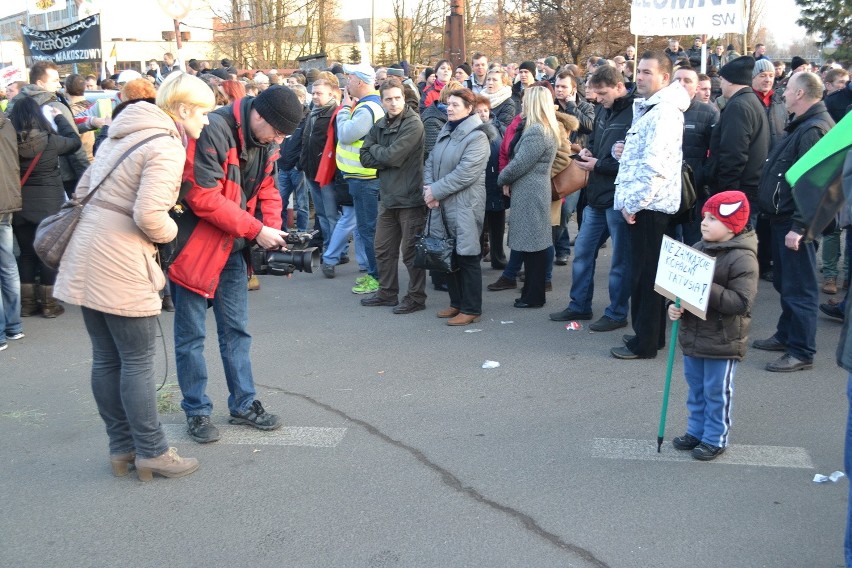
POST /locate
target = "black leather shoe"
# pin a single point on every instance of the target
(570, 315)
(548, 286)
(771, 344)
(520, 304)
(408, 307)
(373, 301)
(607, 324)
(706, 452)
(561, 260)
(787, 364)
(503, 284)
(685, 442)
(623, 353)
(830, 310)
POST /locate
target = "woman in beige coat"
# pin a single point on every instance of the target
(110, 266)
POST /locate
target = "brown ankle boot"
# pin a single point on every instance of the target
(121, 463)
(50, 308)
(29, 304)
(169, 464)
(463, 319)
(449, 312)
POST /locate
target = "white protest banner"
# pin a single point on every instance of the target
(685, 273)
(687, 17)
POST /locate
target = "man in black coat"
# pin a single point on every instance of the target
(794, 259)
(394, 147)
(740, 141)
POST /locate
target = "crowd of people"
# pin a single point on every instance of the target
(211, 160)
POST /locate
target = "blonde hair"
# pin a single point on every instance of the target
(504, 77)
(538, 108)
(452, 85)
(181, 88)
(331, 81)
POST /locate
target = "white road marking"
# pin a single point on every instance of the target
(284, 436)
(736, 454)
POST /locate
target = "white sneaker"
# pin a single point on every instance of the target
(16, 336)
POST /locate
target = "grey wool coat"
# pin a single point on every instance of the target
(528, 175)
(455, 170)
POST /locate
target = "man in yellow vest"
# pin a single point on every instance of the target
(362, 107)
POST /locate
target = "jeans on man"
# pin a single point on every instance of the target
(598, 225)
(397, 228)
(325, 207)
(292, 182)
(123, 381)
(10, 282)
(230, 307)
(465, 285)
(365, 197)
(345, 227)
(795, 280)
(562, 242)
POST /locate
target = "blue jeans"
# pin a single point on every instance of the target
(796, 281)
(325, 207)
(293, 182)
(563, 240)
(365, 197)
(230, 307)
(597, 225)
(123, 381)
(339, 244)
(708, 402)
(10, 283)
(516, 261)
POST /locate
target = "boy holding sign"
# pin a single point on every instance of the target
(713, 347)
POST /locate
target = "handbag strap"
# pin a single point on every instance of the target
(30, 169)
(121, 159)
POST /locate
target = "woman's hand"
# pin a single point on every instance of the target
(507, 190)
(675, 313)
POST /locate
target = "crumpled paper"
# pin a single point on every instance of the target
(819, 478)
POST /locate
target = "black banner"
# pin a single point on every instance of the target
(81, 41)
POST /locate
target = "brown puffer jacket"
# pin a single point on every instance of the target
(110, 264)
(724, 334)
(563, 153)
(10, 173)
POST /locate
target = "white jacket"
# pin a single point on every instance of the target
(649, 173)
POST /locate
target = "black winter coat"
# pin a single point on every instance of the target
(314, 135)
(434, 118)
(775, 194)
(838, 102)
(44, 194)
(291, 149)
(494, 198)
(585, 113)
(505, 112)
(776, 114)
(611, 125)
(698, 122)
(395, 149)
(739, 145)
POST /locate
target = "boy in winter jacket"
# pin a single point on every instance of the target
(713, 347)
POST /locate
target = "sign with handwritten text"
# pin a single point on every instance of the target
(685, 273)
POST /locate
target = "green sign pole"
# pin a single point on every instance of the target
(669, 365)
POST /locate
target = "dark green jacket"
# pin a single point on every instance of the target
(395, 148)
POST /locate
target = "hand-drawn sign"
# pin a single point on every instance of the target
(685, 273)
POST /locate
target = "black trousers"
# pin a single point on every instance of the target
(647, 307)
(495, 225)
(536, 266)
(465, 285)
(30, 265)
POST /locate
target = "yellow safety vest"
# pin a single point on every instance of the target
(348, 156)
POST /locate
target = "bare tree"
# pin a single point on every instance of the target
(416, 29)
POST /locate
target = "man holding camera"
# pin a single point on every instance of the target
(230, 171)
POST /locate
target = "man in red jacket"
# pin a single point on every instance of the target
(230, 169)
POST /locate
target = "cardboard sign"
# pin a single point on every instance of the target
(679, 17)
(685, 273)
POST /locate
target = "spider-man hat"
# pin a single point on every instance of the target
(729, 207)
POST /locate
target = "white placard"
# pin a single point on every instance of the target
(685, 273)
(687, 17)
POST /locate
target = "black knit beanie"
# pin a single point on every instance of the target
(738, 71)
(528, 65)
(280, 107)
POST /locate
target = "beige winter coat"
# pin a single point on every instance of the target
(110, 264)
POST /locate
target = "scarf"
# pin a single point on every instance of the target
(499, 97)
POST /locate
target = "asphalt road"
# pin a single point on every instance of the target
(402, 451)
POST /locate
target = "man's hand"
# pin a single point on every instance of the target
(629, 217)
(792, 240)
(588, 165)
(270, 238)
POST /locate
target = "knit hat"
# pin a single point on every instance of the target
(798, 62)
(363, 71)
(221, 73)
(280, 107)
(552, 62)
(427, 72)
(394, 72)
(762, 66)
(730, 208)
(738, 71)
(528, 65)
(466, 68)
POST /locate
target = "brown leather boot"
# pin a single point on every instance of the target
(121, 463)
(449, 312)
(168, 464)
(29, 304)
(463, 319)
(253, 283)
(50, 308)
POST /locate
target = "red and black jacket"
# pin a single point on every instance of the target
(229, 172)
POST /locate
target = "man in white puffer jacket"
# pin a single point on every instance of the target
(647, 192)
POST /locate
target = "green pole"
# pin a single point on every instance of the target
(669, 365)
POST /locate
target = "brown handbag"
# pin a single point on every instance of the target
(568, 181)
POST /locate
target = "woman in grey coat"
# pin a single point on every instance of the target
(527, 178)
(454, 187)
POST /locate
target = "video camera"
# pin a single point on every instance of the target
(283, 262)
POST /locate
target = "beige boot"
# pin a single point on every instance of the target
(50, 308)
(121, 463)
(169, 464)
(253, 283)
(29, 304)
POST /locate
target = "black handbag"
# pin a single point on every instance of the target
(435, 253)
